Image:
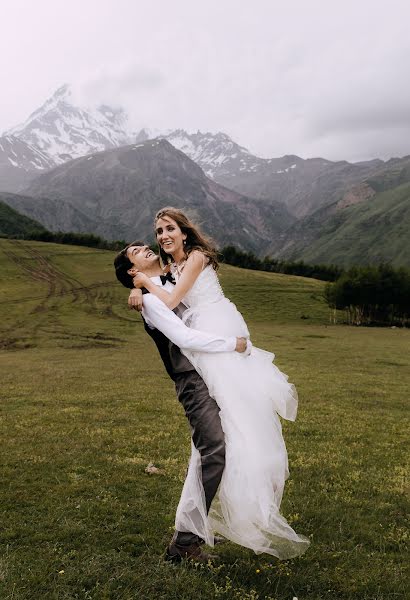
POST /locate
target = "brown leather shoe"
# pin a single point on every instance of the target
(176, 553)
(218, 539)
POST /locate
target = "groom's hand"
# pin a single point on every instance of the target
(241, 344)
(135, 300)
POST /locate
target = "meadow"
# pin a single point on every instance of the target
(86, 405)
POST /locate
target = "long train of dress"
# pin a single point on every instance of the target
(251, 392)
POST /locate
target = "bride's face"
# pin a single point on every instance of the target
(169, 235)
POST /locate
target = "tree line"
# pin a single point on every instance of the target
(247, 260)
(378, 295)
(74, 239)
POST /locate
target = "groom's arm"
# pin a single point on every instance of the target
(158, 316)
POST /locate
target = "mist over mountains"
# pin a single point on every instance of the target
(87, 170)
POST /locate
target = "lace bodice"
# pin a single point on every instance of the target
(205, 290)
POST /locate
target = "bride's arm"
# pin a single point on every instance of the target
(158, 316)
(192, 269)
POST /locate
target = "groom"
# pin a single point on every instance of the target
(170, 334)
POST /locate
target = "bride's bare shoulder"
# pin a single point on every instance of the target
(197, 258)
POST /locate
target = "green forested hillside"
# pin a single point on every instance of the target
(373, 231)
(13, 223)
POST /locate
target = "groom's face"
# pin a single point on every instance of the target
(142, 257)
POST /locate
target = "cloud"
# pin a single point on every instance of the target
(117, 85)
(313, 78)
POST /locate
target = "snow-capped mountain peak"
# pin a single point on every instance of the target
(23, 155)
(63, 129)
(213, 152)
(149, 133)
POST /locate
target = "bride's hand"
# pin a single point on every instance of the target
(140, 280)
(135, 300)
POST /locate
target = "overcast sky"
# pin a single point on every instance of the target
(305, 77)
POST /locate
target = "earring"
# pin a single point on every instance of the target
(184, 242)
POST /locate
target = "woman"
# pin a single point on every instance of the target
(250, 391)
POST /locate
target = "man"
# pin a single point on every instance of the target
(170, 334)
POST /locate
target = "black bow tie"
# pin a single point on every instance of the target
(167, 277)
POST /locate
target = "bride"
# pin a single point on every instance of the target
(251, 392)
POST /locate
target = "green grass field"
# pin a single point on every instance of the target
(86, 405)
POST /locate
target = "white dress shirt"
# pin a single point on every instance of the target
(158, 316)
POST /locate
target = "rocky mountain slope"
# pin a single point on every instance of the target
(216, 153)
(20, 162)
(301, 185)
(116, 193)
(368, 224)
(55, 216)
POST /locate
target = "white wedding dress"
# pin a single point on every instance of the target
(251, 392)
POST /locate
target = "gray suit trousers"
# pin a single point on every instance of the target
(203, 415)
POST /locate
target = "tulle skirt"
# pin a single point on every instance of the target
(251, 392)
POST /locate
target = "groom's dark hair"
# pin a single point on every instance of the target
(122, 264)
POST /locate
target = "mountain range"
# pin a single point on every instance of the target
(86, 169)
(116, 193)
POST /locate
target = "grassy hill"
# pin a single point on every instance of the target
(74, 290)
(86, 405)
(13, 223)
